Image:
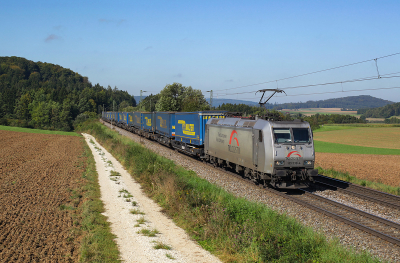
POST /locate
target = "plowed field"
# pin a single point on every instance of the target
(38, 206)
(378, 168)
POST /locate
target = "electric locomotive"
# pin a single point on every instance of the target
(279, 153)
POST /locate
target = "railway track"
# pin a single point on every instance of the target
(374, 225)
(365, 193)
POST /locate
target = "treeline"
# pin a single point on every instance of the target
(351, 102)
(314, 120)
(320, 119)
(47, 96)
(382, 112)
(243, 108)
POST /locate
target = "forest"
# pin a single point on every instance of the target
(382, 112)
(47, 96)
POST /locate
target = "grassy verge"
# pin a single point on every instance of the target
(98, 242)
(352, 179)
(19, 129)
(233, 228)
(329, 147)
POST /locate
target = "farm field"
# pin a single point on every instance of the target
(38, 173)
(368, 153)
(377, 168)
(379, 137)
(312, 111)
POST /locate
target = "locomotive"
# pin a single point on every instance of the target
(276, 153)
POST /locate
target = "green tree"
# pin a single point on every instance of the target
(22, 107)
(171, 98)
(176, 97)
(193, 100)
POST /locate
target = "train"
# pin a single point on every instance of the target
(272, 153)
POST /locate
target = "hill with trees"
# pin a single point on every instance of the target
(386, 112)
(48, 96)
(346, 103)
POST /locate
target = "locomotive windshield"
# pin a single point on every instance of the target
(301, 135)
(287, 135)
(282, 135)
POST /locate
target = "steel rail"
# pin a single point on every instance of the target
(373, 195)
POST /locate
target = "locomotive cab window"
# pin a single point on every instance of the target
(282, 135)
(301, 135)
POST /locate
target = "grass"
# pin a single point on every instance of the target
(234, 229)
(169, 256)
(141, 220)
(352, 179)
(148, 232)
(19, 129)
(160, 245)
(114, 173)
(328, 147)
(136, 212)
(367, 136)
(98, 244)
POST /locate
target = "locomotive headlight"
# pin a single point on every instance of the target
(307, 162)
(279, 162)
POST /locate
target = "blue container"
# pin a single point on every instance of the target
(190, 126)
(123, 117)
(165, 123)
(129, 118)
(137, 119)
(148, 121)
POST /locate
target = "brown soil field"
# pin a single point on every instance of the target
(378, 168)
(379, 137)
(37, 175)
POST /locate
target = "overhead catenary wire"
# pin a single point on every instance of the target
(314, 72)
(385, 76)
(329, 92)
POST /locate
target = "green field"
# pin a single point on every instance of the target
(18, 129)
(328, 147)
(360, 139)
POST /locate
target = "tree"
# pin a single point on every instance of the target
(193, 100)
(22, 107)
(171, 98)
(177, 97)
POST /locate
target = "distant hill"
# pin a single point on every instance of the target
(48, 96)
(351, 102)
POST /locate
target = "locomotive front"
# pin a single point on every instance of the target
(293, 154)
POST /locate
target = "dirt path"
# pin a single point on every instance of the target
(120, 195)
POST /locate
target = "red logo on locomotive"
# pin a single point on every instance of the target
(294, 153)
(230, 140)
(232, 148)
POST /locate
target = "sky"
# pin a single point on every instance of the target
(224, 46)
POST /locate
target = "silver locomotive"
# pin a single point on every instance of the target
(280, 153)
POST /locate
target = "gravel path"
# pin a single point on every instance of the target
(121, 195)
(332, 228)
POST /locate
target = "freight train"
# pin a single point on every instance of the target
(276, 153)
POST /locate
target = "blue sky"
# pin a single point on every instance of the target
(218, 45)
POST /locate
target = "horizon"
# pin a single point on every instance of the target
(221, 46)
